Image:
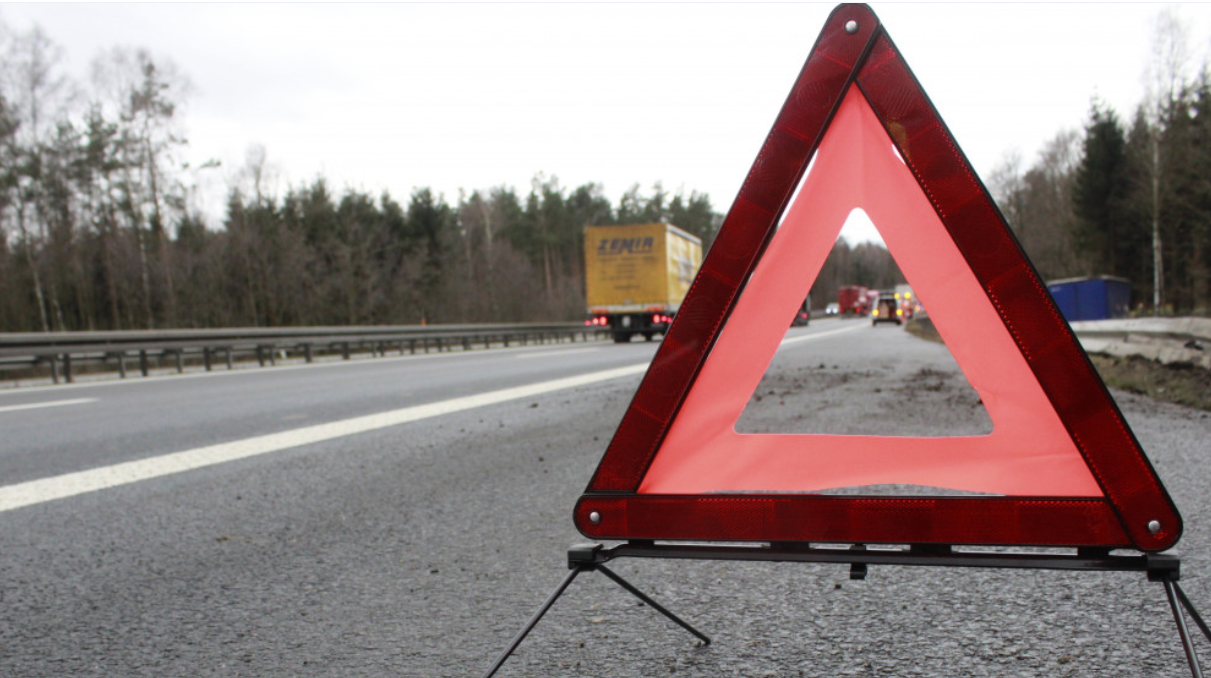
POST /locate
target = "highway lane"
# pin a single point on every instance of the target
(67, 429)
(49, 432)
(419, 549)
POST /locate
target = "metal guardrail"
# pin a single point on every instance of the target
(62, 352)
(1169, 340)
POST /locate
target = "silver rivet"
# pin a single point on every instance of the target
(851, 26)
(1154, 526)
(595, 518)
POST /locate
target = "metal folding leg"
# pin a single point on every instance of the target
(653, 604)
(1162, 568)
(584, 559)
(1181, 596)
(533, 621)
(1177, 600)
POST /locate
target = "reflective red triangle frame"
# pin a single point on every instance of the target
(1135, 510)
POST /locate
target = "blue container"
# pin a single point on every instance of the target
(1094, 298)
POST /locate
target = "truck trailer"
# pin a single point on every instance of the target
(636, 276)
(853, 300)
(1098, 297)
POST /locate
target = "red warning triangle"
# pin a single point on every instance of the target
(1060, 467)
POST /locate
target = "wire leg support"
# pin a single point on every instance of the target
(653, 604)
(1181, 596)
(534, 621)
(1171, 592)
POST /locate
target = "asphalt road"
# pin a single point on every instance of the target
(418, 547)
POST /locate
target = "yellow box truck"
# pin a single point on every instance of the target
(636, 276)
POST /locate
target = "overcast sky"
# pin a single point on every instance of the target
(391, 97)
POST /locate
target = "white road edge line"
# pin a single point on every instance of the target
(53, 403)
(548, 354)
(820, 335)
(71, 484)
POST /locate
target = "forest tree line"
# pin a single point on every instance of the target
(101, 229)
(1130, 195)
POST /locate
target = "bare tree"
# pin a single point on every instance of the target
(143, 94)
(1164, 79)
(1037, 203)
(38, 93)
(258, 177)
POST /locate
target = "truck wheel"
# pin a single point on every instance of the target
(647, 336)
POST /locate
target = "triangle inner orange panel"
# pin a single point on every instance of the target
(1028, 452)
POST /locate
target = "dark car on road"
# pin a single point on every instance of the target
(804, 315)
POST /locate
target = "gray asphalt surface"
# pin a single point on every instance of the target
(138, 418)
(419, 550)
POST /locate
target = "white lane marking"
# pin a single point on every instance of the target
(548, 354)
(52, 403)
(71, 484)
(821, 335)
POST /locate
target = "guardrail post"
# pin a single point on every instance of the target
(139, 344)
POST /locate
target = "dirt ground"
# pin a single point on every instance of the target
(1181, 383)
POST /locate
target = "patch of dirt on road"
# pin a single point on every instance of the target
(923, 328)
(1181, 383)
(889, 395)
